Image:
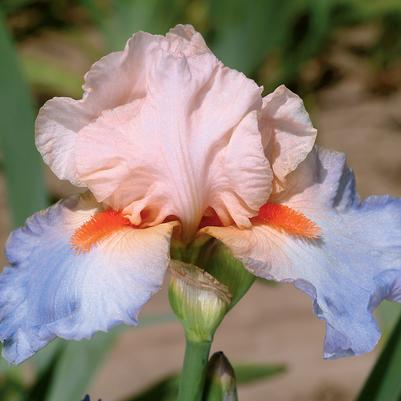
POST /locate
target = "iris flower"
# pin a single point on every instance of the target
(171, 145)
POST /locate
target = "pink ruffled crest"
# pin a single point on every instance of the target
(164, 129)
(287, 131)
(114, 80)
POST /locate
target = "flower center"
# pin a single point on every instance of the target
(280, 217)
(107, 222)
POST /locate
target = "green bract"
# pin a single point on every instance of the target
(229, 271)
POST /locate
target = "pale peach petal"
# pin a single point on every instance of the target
(288, 134)
(112, 81)
(193, 142)
(244, 171)
(57, 125)
(192, 44)
(163, 129)
(304, 189)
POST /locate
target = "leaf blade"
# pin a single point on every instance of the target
(22, 166)
(80, 360)
(383, 383)
(77, 366)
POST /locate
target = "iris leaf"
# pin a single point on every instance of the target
(245, 34)
(45, 376)
(76, 367)
(79, 361)
(250, 373)
(163, 390)
(12, 386)
(388, 314)
(47, 356)
(22, 166)
(124, 17)
(383, 383)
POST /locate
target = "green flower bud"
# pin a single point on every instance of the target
(220, 382)
(198, 300)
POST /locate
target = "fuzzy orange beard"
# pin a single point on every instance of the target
(286, 219)
(99, 227)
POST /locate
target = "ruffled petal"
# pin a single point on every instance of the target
(287, 130)
(354, 265)
(193, 142)
(56, 129)
(51, 290)
(186, 40)
(114, 80)
(157, 123)
(322, 181)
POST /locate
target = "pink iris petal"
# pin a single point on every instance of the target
(114, 80)
(288, 134)
(171, 132)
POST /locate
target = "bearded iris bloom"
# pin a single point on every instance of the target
(171, 145)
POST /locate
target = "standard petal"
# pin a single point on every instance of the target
(354, 265)
(163, 129)
(114, 80)
(51, 290)
(322, 181)
(193, 142)
(287, 130)
(56, 129)
(192, 44)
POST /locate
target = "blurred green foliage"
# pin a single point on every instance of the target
(21, 162)
(272, 41)
(383, 383)
(167, 388)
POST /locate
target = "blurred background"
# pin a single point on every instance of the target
(342, 56)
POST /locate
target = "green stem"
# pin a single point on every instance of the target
(193, 373)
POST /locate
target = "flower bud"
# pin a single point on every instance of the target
(220, 382)
(198, 300)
